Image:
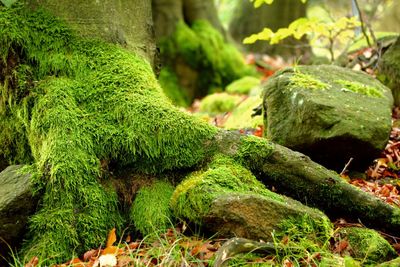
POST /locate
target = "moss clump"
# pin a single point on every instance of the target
(193, 197)
(150, 211)
(360, 88)
(170, 85)
(243, 85)
(90, 101)
(203, 49)
(367, 245)
(303, 80)
(219, 103)
(241, 116)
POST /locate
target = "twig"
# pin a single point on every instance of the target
(362, 23)
(346, 166)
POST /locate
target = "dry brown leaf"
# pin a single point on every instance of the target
(33, 262)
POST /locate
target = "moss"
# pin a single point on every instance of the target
(241, 116)
(204, 49)
(150, 211)
(367, 245)
(170, 85)
(303, 80)
(253, 151)
(243, 85)
(305, 227)
(219, 103)
(193, 197)
(90, 101)
(360, 88)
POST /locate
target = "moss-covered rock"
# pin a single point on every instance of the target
(242, 85)
(329, 113)
(241, 116)
(219, 103)
(226, 198)
(202, 59)
(366, 245)
(389, 70)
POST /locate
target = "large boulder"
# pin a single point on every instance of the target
(389, 68)
(16, 205)
(329, 113)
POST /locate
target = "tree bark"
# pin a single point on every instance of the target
(128, 23)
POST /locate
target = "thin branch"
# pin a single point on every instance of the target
(362, 23)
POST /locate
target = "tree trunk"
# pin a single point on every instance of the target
(125, 22)
(249, 20)
(195, 53)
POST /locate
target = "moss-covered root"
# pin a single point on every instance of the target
(92, 101)
(295, 175)
(150, 211)
(226, 198)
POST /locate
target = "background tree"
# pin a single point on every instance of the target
(195, 54)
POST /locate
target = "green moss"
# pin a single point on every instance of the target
(243, 85)
(193, 197)
(90, 101)
(170, 85)
(150, 211)
(303, 80)
(241, 115)
(204, 49)
(219, 103)
(253, 151)
(305, 227)
(360, 88)
(367, 245)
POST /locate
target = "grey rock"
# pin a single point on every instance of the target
(329, 113)
(16, 205)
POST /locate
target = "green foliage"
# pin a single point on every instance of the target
(253, 151)
(150, 211)
(83, 101)
(193, 197)
(258, 3)
(219, 103)
(318, 32)
(204, 49)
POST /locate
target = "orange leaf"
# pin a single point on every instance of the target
(111, 238)
(90, 254)
(110, 250)
(33, 262)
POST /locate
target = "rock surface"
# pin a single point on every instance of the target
(329, 113)
(16, 205)
(389, 67)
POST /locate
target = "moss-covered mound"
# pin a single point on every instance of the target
(241, 117)
(243, 85)
(66, 104)
(366, 245)
(329, 113)
(202, 59)
(219, 103)
(226, 198)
